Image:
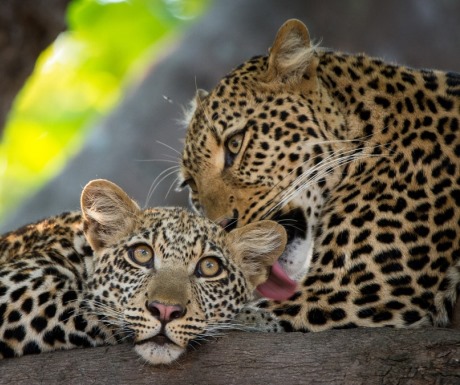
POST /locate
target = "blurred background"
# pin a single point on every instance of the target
(105, 97)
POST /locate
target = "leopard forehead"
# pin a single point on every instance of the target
(176, 233)
(225, 109)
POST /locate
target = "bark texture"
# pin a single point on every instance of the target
(351, 357)
(27, 27)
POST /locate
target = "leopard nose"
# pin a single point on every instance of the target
(229, 223)
(165, 313)
(225, 222)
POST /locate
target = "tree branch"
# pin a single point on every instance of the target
(359, 356)
(27, 27)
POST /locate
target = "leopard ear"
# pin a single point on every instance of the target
(107, 212)
(256, 247)
(291, 57)
(195, 103)
(200, 95)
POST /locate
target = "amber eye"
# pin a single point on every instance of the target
(208, 267)
(234, 143)
(141, 255)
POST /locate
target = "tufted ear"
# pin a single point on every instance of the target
(256, 247)
(195, 103)
(291, 56)
(107, 212)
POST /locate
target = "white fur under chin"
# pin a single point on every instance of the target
(296, 258)
(159, 354)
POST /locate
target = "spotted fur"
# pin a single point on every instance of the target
(359, 159)
(74, 280)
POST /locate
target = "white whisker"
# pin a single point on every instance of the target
(159, 160)
(317, 173)
(157, 181)
(171, 186)
(170, 147)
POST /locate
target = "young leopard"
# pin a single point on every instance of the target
(358, 159)
(162, 278)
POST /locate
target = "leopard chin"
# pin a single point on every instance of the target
(158, 352)
(295, 259)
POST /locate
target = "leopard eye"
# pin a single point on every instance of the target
(208, 267)
(232, 148)
(141, 254)
(234, 143)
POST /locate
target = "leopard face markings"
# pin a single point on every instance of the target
(358, 159)
(160, 278)
(278, 127)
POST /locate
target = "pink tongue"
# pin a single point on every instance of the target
(278, 285)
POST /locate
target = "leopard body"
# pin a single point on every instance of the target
(359, 159)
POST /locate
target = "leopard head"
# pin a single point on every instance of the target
(166, 278)
(259, 145)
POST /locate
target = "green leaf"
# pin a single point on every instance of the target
(78, 79)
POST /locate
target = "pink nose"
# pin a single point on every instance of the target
(224, 222)
(165, 313)
(228, 224)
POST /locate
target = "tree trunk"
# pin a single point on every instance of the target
(349, 357)
(27, 27)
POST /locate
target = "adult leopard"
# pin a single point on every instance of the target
(358, 159)
(161, 278)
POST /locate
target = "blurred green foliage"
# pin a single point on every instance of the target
(77, 80)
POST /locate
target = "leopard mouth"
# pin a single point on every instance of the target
(282, 280)
(283, 277)
(294, 222)
(160, 339)
(159, 349)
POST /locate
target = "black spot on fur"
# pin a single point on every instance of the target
(31, 348)
(39, 323)
(316, 316)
